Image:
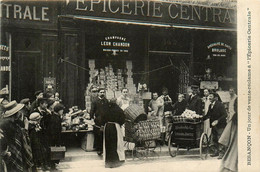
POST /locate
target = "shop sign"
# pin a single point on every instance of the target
(5, 61)
(219, 49)
(115, 45)
(28, 13)
(211, 85)
(154, 11)
(49, 84)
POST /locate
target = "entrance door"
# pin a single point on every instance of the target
(162, 76)
(26, 75)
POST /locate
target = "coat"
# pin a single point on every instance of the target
(54, 130)
(218, 112)
(179, 107)
(195, 104)
(99, 108)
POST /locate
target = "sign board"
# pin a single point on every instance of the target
(224, 95)
(29, 14)
(49, 84)
(211, 85)
(150, 11)
(115, 45)
(5, 64)
(219, 49)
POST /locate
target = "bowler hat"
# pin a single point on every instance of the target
(35, 116)
(25, 101)
(58, 107)
(12, 108)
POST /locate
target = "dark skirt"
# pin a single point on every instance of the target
(113, 145)
(39, 150)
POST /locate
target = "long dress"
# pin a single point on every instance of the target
(229, 138)
(113, 136)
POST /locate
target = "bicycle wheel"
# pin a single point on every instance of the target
(204, 146)
(171, 146)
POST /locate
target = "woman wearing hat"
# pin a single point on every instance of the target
(13, 128)
(54, 129)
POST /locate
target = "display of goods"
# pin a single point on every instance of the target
(133, 111)
(190, 114)
(143, 130)
(185, 119)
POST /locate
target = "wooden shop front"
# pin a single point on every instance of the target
(166, 43)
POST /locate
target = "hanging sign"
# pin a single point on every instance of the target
(115, 45)
(219, 49)
(50, 84)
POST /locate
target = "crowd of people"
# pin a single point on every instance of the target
(27, 131)
(220, 122)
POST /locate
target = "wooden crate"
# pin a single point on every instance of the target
(57, 152)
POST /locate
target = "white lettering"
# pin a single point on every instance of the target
(123, 8)
(109, 7)
(35, 14)
(7, 10)
(44, 13)
(17, 9)
(27, 13)
(92, 4)
(170, 12)
(139, 7)
(78, 8)
(157, 9)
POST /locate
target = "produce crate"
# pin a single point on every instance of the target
(57, 152)
(142, 131)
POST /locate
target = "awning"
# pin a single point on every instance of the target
(144, 23)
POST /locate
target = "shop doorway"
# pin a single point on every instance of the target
(26, 75)
(164, 75)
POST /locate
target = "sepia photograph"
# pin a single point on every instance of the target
(125, 85)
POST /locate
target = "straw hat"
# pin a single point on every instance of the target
(35, 116)
(12, 108)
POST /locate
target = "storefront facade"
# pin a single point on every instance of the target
(168, 44)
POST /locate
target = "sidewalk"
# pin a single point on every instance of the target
(75, 154)
(79, 160)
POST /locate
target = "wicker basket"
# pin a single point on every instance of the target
(142, 131)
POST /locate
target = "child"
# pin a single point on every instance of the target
(54, 129)
(40, 154)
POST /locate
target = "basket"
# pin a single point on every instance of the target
(133, 112)
(57, 152)
(142, 131)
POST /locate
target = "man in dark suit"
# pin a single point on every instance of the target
(217, 115)
(99, 108)
(194, 100)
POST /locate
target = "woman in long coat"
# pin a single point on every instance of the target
(113, 136)
(229, 138)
